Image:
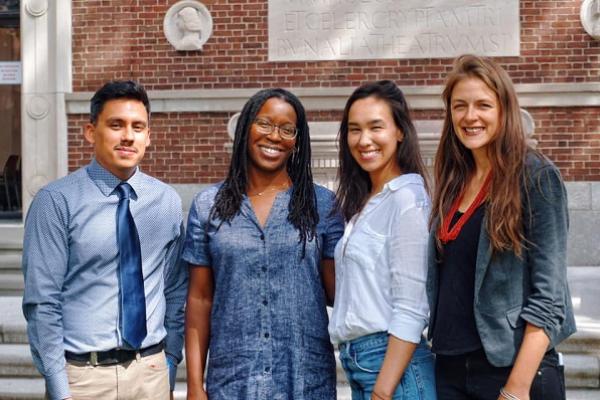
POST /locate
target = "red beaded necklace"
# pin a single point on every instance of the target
(445, 234)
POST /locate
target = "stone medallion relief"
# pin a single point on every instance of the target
(590, 17)
(188, 25)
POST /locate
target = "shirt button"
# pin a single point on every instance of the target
(267, 335)
(267, 369)
(264, 269)
(262, 236)
(265, 302)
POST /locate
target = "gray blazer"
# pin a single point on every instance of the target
(510, 290)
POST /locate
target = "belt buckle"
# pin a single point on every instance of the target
(94, 358)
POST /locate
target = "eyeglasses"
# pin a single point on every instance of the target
(286, 131)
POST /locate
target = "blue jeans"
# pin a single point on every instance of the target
(362, 359)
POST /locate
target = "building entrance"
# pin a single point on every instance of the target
(10, 111)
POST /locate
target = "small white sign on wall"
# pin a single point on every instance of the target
(10, 72)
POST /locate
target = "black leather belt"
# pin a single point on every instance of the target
(114, 356)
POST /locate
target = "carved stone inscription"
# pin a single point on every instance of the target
(375, 29)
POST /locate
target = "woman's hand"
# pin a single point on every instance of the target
(377, 396)
(521, 395)
(201, 395)
(197, 329)
(397, 357)
(532, 350)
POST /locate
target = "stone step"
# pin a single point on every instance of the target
(11, 235)
(13, 328)
(16, 362)
(22, 388)
(11, 284)
(584, 341)
(11, 276)
(583, 394)
(582, 371)
(10, 260)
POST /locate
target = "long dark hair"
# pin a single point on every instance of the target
(302, 209)
(454, 163)
(355, 184)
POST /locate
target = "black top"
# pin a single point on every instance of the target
(454, 330)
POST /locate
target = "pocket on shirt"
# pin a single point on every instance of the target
(364, 247)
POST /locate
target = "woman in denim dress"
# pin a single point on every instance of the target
(260, 248)
(497, 281)
(380, 308)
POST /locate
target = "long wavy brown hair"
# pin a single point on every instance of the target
(454, 163)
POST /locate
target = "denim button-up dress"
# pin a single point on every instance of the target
(268, 333)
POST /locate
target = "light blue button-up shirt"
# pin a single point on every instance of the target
(70, 263)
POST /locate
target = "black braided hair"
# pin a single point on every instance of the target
(302, 209)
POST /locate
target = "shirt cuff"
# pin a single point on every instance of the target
(172, 364)
(57, 385)
(407, 329)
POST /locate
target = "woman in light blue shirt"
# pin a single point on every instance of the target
(380, 308)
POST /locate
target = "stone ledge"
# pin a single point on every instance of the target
(334, 98)
(596, 196)
(582, 248)
(580, 195)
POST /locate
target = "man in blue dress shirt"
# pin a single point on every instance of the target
(83, 232)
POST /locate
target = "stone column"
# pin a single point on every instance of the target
(46, 60)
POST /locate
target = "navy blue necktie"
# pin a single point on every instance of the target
(132, 297)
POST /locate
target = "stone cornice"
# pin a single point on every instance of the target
(319, 98)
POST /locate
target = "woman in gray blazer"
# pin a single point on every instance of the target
(497, 282)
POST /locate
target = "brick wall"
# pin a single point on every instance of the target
(571, 138)
(114, 38)
(191, 147)
(124, 39)
(184, 147)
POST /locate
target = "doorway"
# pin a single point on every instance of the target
(10, 111)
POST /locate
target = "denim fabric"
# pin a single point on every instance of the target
(471, 376)
(362, 359)
(268, 334)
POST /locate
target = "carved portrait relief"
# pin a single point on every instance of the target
(188, 25)
(590, 17)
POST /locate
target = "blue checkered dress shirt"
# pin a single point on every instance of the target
(70, 263)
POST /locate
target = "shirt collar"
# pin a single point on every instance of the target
(390, 186)
(402, 180)
(107, 182)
